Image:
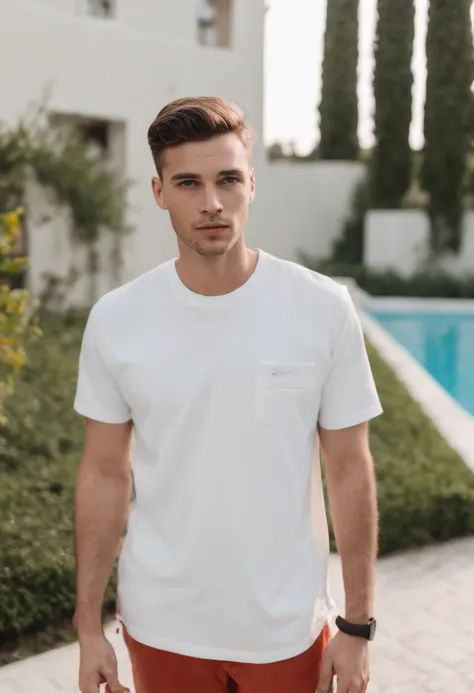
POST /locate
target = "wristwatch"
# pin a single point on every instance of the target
(365, 630)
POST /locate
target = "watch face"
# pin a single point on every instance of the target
(372, 628)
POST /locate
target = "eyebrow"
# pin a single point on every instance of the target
(196, 176)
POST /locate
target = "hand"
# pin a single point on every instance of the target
(347, 658)
(98, 665)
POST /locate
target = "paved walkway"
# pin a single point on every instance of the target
(424, 644)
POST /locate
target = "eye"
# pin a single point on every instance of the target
(230, 180)
(187, 183)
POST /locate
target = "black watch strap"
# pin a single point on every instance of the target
(365, 630)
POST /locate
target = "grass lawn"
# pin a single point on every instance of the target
(426, 493)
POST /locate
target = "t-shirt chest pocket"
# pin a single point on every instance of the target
(286, 393)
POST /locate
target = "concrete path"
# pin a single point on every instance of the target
(424, 644)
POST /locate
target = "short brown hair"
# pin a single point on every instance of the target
(195, 119)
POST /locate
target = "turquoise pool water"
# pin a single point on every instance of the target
(443, 343)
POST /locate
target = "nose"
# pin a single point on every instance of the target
(211, 203)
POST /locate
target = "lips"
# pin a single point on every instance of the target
(212, 230)
(212, 227)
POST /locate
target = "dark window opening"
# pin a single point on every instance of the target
(96, 133)
(100, 8)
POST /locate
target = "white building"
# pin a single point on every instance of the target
(117, 62)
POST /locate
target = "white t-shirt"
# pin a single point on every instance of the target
(227, 545)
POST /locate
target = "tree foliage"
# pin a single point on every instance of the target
(393, 82)
(338, 108)
(74, 175)
(449, 50)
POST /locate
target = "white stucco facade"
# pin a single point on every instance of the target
(124, 70)
(399, 241)
(396, 240)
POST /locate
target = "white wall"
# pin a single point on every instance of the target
(396, 240)
(125, 70)
(464, 261)
(301, 207)
(399, 240)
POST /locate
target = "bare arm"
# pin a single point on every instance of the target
(102, 502)
(353, 507)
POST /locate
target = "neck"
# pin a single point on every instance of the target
(219, 274)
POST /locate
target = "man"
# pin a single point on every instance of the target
(228, 366)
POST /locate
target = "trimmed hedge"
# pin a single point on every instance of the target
(426, 493)
(435, 284)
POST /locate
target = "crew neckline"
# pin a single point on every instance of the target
(220, 299)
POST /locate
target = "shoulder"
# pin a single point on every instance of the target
(310, 287)
(123, 304)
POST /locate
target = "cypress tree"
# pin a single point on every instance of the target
(449, 52)
(338, 108)
(393, 82)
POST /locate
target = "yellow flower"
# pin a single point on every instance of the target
(11, 220)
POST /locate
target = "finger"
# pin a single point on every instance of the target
(114, 685)
(357, 685)
(326, 676)
(344, 686)
(89, 686)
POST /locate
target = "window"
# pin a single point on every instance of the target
(214, 23)
(95, 134)
(100, 8)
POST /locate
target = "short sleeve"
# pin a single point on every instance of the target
(349, 396)
(98, 395)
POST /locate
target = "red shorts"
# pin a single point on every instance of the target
(157, 671)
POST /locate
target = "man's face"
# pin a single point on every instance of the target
(207, 188)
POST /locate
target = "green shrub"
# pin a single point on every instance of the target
(42, 424)
(39, 455)
(435, 284)
(16, 308)
(426, 493)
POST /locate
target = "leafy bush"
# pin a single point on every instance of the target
(435, 284)
(74, 175)
(426, 493)
(39, 455)
(16, 309)
(42, 425)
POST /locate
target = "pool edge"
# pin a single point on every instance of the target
(454, 423)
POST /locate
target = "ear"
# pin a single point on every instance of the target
(252, 185)
(157, 187)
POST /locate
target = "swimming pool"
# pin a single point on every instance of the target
(442, 342)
